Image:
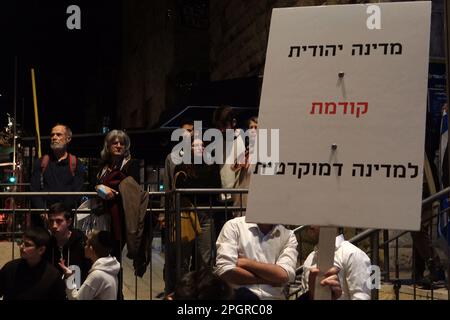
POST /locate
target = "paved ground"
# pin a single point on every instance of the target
(133, 288)
(152, 281)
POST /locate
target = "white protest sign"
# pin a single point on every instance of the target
(346, 86)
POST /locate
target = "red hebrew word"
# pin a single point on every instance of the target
(356, 108)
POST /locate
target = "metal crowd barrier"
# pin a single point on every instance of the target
(14, 222)
(158, 204)
(170, 204)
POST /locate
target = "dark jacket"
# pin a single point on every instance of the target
(137, 223)
(19, 281)
(72, 253)
(57, 177)
(198, 176)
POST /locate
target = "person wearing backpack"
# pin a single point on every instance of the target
(58, 171)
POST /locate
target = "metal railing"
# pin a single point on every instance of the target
(12, 229)
(375, 245)
(172, 208)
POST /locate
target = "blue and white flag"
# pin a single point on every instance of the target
(443, 217)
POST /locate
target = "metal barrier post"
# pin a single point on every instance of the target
(414, 269)
(168, 235)
(387, 275)
(178, 235)
(448, 264)
(150, 221)
(374, 248)
(13, 228)
(397, 284)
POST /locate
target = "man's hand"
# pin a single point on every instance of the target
(242, 262)
(266, 273)
(67, 272)
(330, 279)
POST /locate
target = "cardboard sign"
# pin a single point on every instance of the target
(346, 86)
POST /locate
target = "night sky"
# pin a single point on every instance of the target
(76, 70)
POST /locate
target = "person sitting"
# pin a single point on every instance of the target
(353, 264)
(257, 259)
(31, 277)
(102, 281)
(66, 243)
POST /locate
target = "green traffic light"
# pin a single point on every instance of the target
(12, 179)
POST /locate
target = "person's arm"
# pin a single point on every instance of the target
(357, 272)
(78, 179)
(288, 256)
(240, 276)
(227, 258)
(278, 273)
(35, 185)
(77, 185)
(105, 192)
(270, 273)
(87, 290)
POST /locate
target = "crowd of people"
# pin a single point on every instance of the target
(223, 256)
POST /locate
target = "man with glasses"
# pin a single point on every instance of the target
(31, 277)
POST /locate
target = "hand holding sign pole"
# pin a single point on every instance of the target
(327, 239)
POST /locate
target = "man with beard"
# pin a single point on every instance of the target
(58, 171)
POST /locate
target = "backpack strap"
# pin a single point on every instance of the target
(72, 164)
(44, 164)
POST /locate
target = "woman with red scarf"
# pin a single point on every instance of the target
(117, 166)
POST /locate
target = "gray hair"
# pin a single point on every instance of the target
(68, 131)
(105, 154)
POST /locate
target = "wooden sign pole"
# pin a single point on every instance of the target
(325, 260)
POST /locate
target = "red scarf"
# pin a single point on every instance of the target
(113, 207)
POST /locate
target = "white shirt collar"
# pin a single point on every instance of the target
(255, 225)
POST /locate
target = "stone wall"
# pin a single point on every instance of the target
(162, 42)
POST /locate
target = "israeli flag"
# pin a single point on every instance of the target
(443, 217)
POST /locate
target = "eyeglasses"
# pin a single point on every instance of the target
(26, 243)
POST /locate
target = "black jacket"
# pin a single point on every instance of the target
(72, 253)
(19, 281)
(57, 177)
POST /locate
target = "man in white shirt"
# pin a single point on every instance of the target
(260, 258)
(353, 264)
